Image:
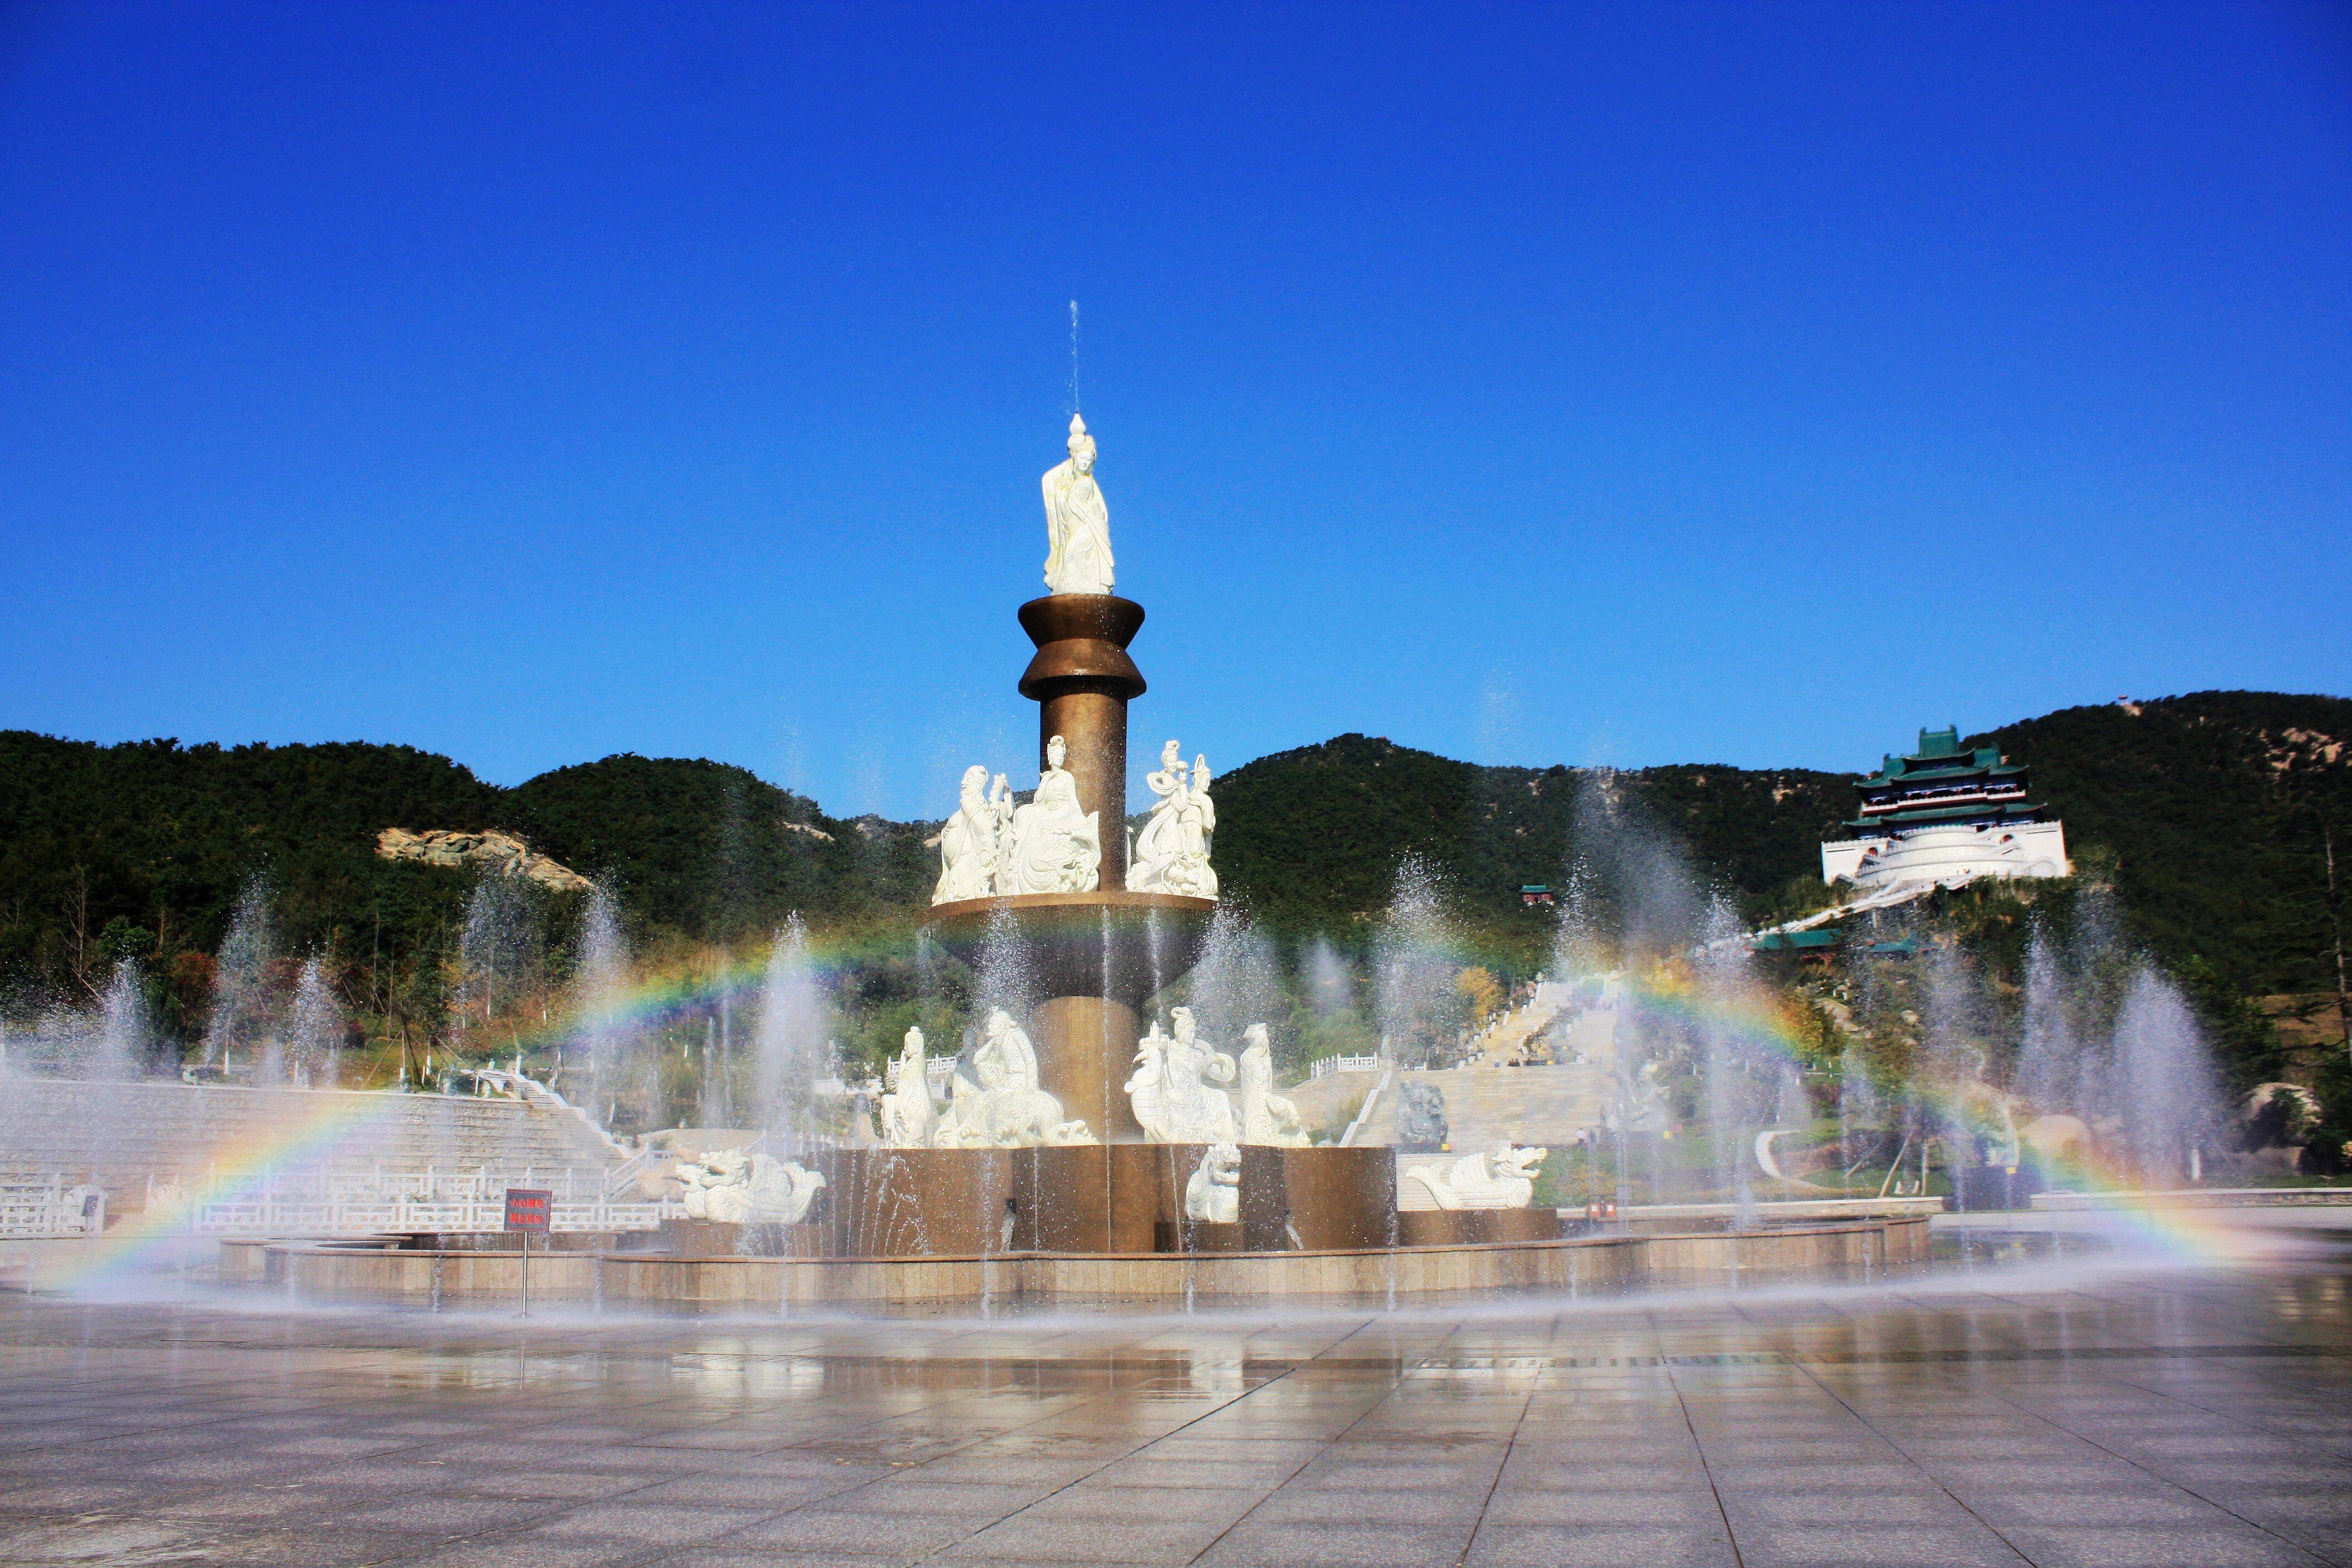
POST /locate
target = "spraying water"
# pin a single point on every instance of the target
(314, 1034)
(792, 1045)
(124, 1036)
(601, 998)
(1414, 1000)
(244, 1004)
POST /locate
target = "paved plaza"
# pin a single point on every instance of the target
(2050, 1413)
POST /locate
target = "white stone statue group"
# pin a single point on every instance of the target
(736, 1188)
(993, 1100)
(992, 848)
(1175, 1090)
(1172, 853)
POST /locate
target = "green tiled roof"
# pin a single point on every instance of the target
(1820, 939)
(1926, 816)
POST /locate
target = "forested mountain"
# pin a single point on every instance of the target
(143, 850)
(716, 851)
(2207, 812)
(2204, 811)
(1313, 837)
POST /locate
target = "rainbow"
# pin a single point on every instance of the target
(661, 993)
(139, 1243)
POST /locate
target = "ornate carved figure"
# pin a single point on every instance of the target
(1172, 1091)
(735, 1188)
(1266, 1117)
(1051, 846)
(1214, 1192)
(1421, 1116)
(908, 1118)
(996, 1102)
(1077, 522)
(1200, 818)
(1505, 1179)
(1172, 853)
(970, 843)
(1162, 840)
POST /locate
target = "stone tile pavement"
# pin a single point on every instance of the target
(2183, 1416)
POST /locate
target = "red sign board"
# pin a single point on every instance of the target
(528, 1209)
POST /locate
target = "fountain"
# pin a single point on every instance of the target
(1069, 942)
(1085, 1150)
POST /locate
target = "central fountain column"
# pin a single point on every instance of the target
(1082, 680)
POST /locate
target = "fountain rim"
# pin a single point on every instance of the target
(1101, 898)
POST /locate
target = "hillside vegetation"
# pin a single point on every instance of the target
(143, 850)
(2204, 811)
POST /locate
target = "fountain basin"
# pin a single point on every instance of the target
(727, 1283)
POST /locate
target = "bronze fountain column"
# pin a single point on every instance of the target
(1082, 680)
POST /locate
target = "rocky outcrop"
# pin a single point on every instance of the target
(501, 852)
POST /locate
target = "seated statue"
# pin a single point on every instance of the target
(1051, 846)
(1171, 1087)
(970, 844)
(995, 1102)
(1214, 1192)
(1266, 1117)
(908, 1119)
(1505, 1179)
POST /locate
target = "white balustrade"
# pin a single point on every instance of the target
(46, 1209)
(1343, 1064)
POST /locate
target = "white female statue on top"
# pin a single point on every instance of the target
(1051, 846)
(1077, 522)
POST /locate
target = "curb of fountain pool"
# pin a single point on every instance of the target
(333, 1272)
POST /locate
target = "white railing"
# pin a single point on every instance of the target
(432, 1182)
(1329, 1064)
(347, 1203)
(937, 1070)
(47, 1208)
(274, 1216)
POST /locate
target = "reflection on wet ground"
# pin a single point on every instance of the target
(2041, 1396)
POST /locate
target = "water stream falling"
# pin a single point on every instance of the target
(125, 1037)
(791, 1052)
(244, 1000)
(314, 1032)
(600, 999)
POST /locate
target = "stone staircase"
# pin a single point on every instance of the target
(1487, 1104)
(126, 1136)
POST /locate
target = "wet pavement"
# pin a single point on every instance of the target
(2050, 1412)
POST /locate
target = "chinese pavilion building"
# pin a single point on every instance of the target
(1946, 815)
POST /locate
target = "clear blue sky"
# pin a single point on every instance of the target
(1746, 384)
